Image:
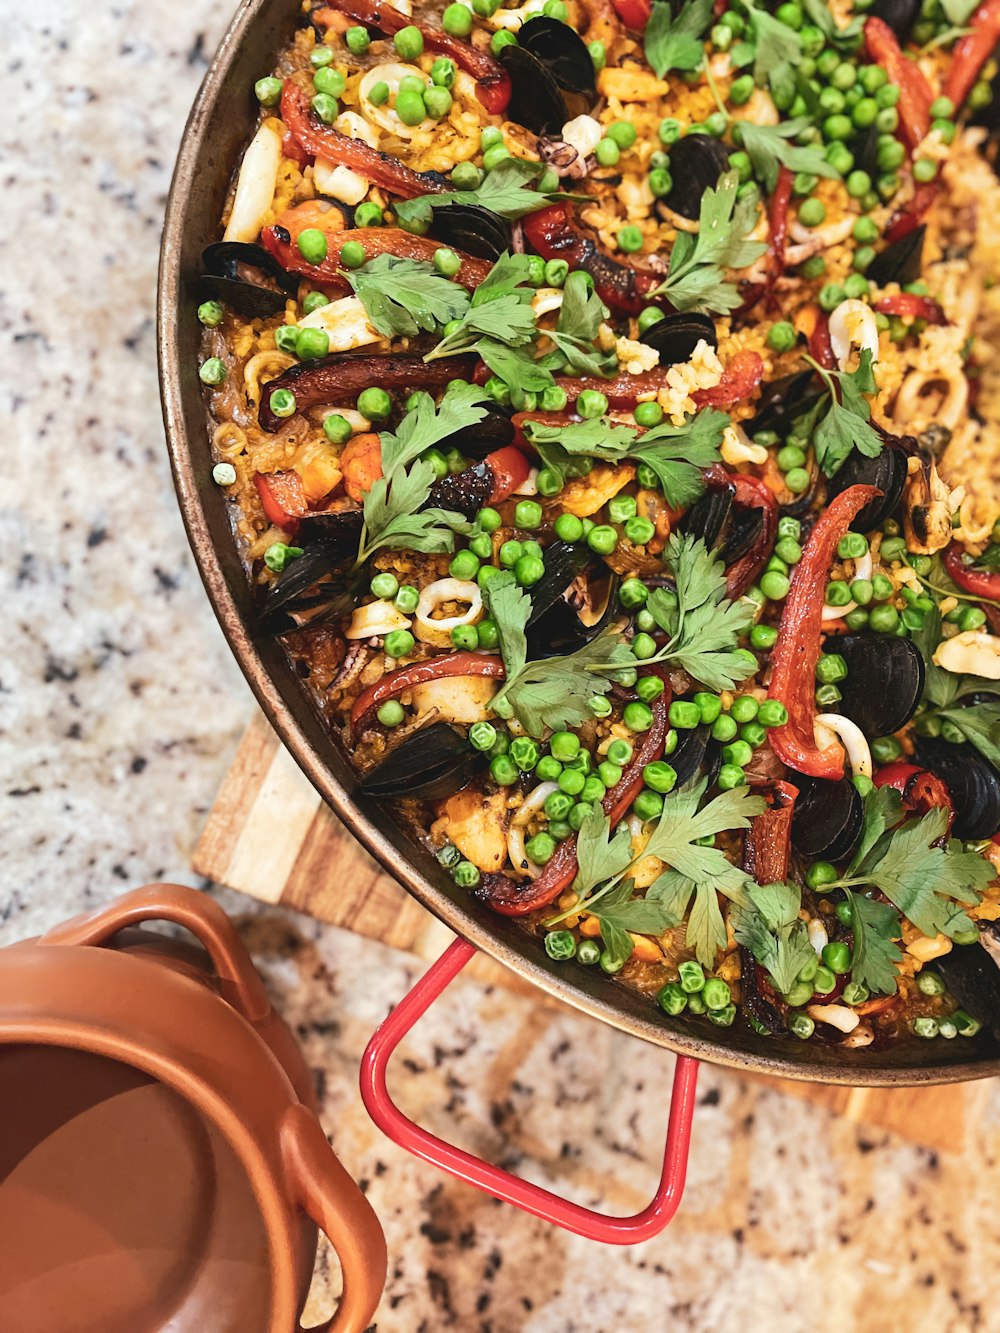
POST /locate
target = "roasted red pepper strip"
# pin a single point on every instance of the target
(492, 80)
(751, 493)
(375, 240)
(909, 306)
(633, 13)
(910, 216)
(336, 378)
(622, 392)
(978, 582)
(971, 52)
(794, 657)
(820, 346)
(766, 854)
(915, 95)
(419, 673)
(510, 898)
(920, 789)
(282, 497)
(739, 380)
(324, 141)
(777, 214)
(552, 233)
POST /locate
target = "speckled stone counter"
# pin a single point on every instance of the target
(120, 708)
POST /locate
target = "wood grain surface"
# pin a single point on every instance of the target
(271, 836)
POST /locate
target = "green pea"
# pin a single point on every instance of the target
(637, 716)
(568, 528)
(812, 213)
(672, 998)
(286, 339)
(800, 1025)
(925, 1026)
(781, 337)
(374, 404)
(357, 41)
(268, 91)
(729, 777)
(329, 81)
(406, 599)
(501, 39)
(466, 175)
(398, 643)
(591, 404)
(649, 688)
(495, 155)
(737, 753)
(325, 107)
(741, 90)
(709, 706)
(224, 474)
(883, 619)
(763, 637)
(814, 267)
(213, 371)
(831, 295)
(378, 94)
(312, 344)
(684, 714)
(924, 169)
(438, 102)
(409, 41)
(410, 106)
(312, 245)
(774, 586)
(211, 314)
(630, 240)
(724, 728)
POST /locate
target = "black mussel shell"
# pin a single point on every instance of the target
(229, 270)
(676, 336)
(562, 620)
(494, 431)
(972, 974)
(471, 228)
(465, 492)
(899, 14)
(884, 682)
(865, 150)
(828, 818)
(535, 99)
(695, 752)
(696, 163)
(429, 764)
(783, 401)
(901, 261)
(886, 470)
(316, 588)
(562, 51)
(708, 516)
(745, 528)
(337, 530)
(972, 781)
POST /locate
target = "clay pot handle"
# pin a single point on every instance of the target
(239, 983)
(320, 1185)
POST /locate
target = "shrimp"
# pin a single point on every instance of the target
(361, 464)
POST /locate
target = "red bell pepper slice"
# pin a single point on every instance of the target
(419, 673)
(752, 493)
(910, 216)
(794, 656)
(341, 377)
(282, 497)
(633, 13)
(739, 380)
(492, 80)
(910, 306)
(777, 215)
(375, 241)
(553, 235)
(915, 95)
(979, 582)
(920, 789)
(510, 898)
(768, 841)
(820, 346)
(324, 141)
(971, 52)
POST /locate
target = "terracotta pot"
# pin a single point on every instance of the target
(161, 1162)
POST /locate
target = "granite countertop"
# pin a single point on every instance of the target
(120, 708)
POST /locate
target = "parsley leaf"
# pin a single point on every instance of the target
(580, 317)
(958, 12)
(675, 453)
(847, 423)
(675, 43)
(980, 725)
(768, 148)
(600, 857)
(990, 558)
(698, 874)
(925, 881)
(510, 607)
(845, 38)
(618, 914)
(553, 694)
(393, 516)
(875, 927)
(506, 190)
(405, 296)
(771, 929)
(426, 425)
(500, 310)
(704, 627)
(516, 367)
(696, 277)
(775, 50)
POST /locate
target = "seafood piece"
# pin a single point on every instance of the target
(828, 818)
(246, 278)
(884, 681)
(431, 763)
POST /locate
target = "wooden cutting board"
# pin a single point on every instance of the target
(271, 836)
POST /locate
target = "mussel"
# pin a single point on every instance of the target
(571, 603)
(972, 974)
(972, 781)
(828, 818)
(492, 432)
(900, 15)
(901, 261)
(676, 336)
(884, 682)
(696, 163)
(429, 764)
(783, 401)
(695, 752)
(246, 279)
(536, 101)
(722, 523)
(318, 587)
(865, 150)
(562, 51)
(472, 229)
(886, 470)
